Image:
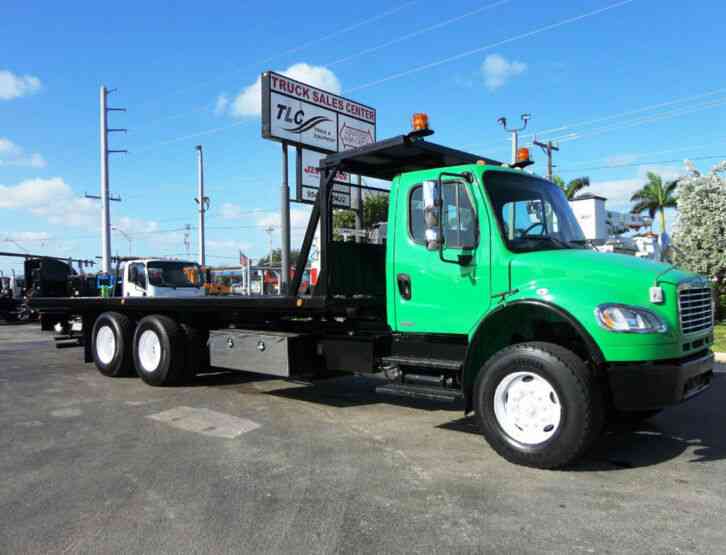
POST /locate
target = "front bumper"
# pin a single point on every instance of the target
(644, 386)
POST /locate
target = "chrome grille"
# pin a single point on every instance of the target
(695, 307)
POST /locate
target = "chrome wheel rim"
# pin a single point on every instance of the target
(105, 344)
(149, 349)
(527, 408)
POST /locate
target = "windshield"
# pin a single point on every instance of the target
(532, 213)
(174, 274)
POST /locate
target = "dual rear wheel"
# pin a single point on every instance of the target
(161, 351)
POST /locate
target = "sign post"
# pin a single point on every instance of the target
(285, 223)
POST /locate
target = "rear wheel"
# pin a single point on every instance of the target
(538, 405)
(159, 351)
(111, 344)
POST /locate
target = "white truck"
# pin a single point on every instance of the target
(156, 277)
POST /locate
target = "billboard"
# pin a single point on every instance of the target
(311, 181)
(300, 114)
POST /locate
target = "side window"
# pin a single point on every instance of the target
(416, 222)
(138, 274)
(459, 218)
(459, 221)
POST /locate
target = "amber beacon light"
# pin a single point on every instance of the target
(420, 121)
(523, 154)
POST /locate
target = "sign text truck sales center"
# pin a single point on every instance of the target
(303, 115)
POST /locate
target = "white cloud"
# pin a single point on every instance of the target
(14, 86)
(133, 225)
(28, 236)
(620, 159)
(227, 245)
(497, 70)
(14, 155)
(248, 102)
(231, 211)
(221, 105)
(619, 191)
(51, 198)
(298, 219)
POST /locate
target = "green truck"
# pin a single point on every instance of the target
(483, 292)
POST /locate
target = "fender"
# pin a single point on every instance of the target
(470, 367)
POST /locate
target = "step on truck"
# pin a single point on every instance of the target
(484, 291)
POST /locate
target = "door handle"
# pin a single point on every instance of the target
(404, 285)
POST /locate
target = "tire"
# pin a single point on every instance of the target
(196, 358)
(538, 405)
(159, 351)
(111, 344)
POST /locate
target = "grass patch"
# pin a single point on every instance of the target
(719, 337)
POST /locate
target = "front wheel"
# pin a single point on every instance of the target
(538, 405)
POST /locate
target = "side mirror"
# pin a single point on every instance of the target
(432, 210)
(133, 274)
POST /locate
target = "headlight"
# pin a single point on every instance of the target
(628, 319)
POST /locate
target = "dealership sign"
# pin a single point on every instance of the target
(302, 115)
(311, 181)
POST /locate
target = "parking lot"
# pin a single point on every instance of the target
(243, 463)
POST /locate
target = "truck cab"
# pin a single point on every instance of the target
(161, 278)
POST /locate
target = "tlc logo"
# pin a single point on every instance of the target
(284, 113)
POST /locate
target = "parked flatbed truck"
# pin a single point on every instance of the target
(484, 290)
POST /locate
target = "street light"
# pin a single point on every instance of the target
(126, 236)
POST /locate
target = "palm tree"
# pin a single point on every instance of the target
(655, 197)
(573, 187)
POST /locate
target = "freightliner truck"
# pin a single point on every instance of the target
(485, 290)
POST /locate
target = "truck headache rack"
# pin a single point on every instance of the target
(404, 153)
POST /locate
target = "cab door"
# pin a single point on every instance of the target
(444, 291)
(136, 283)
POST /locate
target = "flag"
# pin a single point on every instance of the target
(242, 259)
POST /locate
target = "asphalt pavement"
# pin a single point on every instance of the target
(238, 463)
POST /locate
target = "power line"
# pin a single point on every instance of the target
(413, 70)
(632, 164)
(652, 118)
(295, 49)
(634, 157)
(473, 51)
(627, 113)
(417, 33)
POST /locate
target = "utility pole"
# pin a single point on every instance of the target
(105, 209)
(515, 133)
(203, 203)
(548, 148)
(284, 223)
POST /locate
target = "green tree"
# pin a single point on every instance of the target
(700, 230)
(655, 196)
(572, 188)
(277, 258)
(375, 210)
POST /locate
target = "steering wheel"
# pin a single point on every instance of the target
(525, 233)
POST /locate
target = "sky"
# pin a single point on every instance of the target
(624, 86)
